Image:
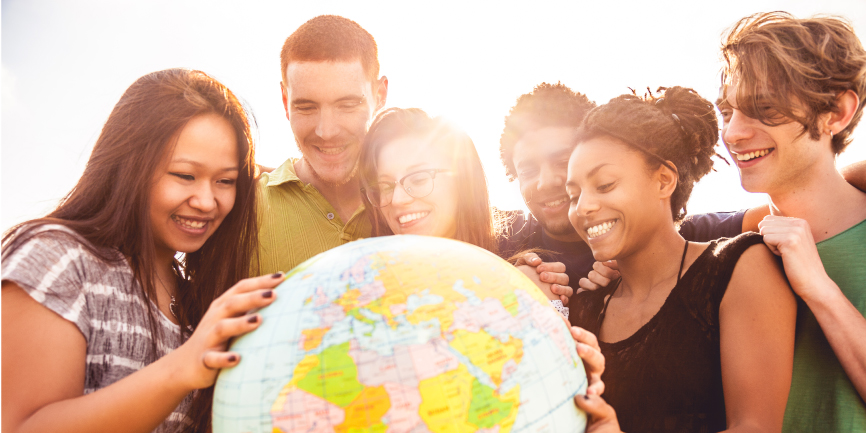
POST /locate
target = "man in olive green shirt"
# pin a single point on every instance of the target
(331, 91)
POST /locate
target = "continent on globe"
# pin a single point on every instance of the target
(404, 334)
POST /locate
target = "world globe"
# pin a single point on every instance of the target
(404, 334)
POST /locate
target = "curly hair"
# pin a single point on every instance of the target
(797, 67)
(676, 127)
(547, 105)
(329, 38)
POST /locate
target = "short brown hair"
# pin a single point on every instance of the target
(475, 221)
(331, 38)
(797, 67)
(548, 105)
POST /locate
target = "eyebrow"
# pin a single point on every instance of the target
(299, 101)
(552, 155)
(590, 174)
(199, 164)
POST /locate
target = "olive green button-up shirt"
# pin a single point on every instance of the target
(296, 222)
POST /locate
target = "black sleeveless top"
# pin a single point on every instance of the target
(667, 376)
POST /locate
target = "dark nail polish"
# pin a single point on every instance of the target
(253, 319)
(277, 275)
(233, 358)
(268, 294)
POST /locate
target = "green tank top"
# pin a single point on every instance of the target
(822, 399)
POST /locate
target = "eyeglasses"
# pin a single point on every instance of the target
(417, 184)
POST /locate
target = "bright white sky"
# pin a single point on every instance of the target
(65, 64)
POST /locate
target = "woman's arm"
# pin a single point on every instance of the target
(44, 365)
(757, 318)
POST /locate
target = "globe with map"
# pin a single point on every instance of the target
(404, 334)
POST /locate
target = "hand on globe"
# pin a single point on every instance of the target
(590, 353)
(552, 273)
(602, 417)
(203, 355)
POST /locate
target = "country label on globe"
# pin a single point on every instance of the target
(404, 334)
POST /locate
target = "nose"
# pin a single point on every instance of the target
(203, 199)
(401, 196)
(586, 205)
(550, 177)
(327, 128)
(737, 128)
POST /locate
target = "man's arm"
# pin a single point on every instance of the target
(843, 325)
(855, 174)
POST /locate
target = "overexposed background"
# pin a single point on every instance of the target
(65, 64)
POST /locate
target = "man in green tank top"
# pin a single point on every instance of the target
(793, 93)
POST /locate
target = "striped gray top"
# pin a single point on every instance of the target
(102, 300)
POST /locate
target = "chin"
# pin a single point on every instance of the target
(559, 228)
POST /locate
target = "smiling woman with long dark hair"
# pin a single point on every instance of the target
(104, 328)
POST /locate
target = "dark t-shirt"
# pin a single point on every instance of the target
(523, 233)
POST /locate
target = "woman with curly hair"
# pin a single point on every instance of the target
(697, 337)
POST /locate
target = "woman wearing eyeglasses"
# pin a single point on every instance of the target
(423, 176)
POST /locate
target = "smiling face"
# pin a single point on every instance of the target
(194, 189)
(330, 106)
(771, 159)
(613, 201)
(432, 215)
(541, 161)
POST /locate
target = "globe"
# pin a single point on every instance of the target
(404, 334)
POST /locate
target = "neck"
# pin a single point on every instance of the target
(164, 278)
(655, 261)
(344, 197)
(570, 237)
(825, 200)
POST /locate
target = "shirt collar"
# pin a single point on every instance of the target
(284, 173)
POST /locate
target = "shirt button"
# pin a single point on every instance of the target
(330, 216)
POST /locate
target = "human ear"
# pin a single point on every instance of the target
(285, 99)
(381, 92)
(846, 103)
(667, 180)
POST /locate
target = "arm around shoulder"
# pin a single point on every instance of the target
(855, 174)
(757, 320)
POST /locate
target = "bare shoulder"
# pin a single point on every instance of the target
(758, 276)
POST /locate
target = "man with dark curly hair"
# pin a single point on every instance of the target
(535, 147)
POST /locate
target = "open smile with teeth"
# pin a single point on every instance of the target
(555, 203)
(188, 223)
(332, 150)
(600, 229)
(412, 217)
(753, 155)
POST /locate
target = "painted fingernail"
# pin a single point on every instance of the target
(267, 293)
(277, 275)
(233, 358)
(253, 319)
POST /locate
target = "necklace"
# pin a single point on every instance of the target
(619, 283)
(172, 305)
